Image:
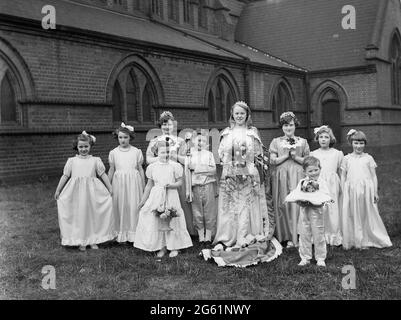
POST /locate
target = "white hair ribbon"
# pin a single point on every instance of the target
(130, 128)
(316, 130)
(89, 135)
(351, 132)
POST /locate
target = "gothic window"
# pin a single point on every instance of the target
(173, 10)
(186, 11)
(157, 7)
(395, 59)
(131, 93)
(138, 103)
(117, 103)
(10, 112)
(281, 101)
(220, 99)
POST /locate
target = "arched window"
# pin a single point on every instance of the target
(147, 104)
(202, 14)
(131, 93)
(137, 4)
(187, 15)
(140, 98)
(395, 59)
(157, 7)
(220, 99)
(173, 10)
(8, 102)
(281, 101)
(117, 103)
(331, 112)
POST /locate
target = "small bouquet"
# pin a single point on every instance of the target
(308, 193)
(309, 186)
(291, 143)
(168, 213)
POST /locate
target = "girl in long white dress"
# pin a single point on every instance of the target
(362, 226)
(155, 233)
(128, 181)
(85, 211)
(330, 161)
(177, 149)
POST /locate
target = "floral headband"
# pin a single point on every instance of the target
(286, 114)
(130, 128)
(166, 114)
(351, 132)
(316, 130)
(89, 135)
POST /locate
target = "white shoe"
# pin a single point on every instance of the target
(218, 247)
(161, 252)
(290, 244)
(82, 248)
(173, 254)
(321, 263)
(94, 246)
(304, 262)
(201, 234)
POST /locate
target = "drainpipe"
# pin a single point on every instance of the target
(247, 85)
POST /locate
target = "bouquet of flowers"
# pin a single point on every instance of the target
(309, 186)
(168, 213)
(291, 143)
(308, 193)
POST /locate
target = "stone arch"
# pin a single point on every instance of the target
(331, 97)
(284, 83)
(21, 77)
(214, 81)
(152, 83)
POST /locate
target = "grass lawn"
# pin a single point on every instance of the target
(29, 240)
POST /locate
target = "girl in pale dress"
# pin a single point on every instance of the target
(154, 233)
(85, 209)
(330, 160)
(178, 151)
(362, 226)
(128, 181)
(287, 154)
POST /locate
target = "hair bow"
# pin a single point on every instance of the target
(316, 130)
(351, 132)
(89, 135)
(130, 128)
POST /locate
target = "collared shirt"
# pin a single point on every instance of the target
(204, 166)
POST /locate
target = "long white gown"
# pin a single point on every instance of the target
(150, 234)
(330, 161)
(362, 225)
(127, 190)
(85, 209)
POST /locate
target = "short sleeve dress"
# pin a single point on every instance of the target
(285, 178)
(150, 234)
(177, 146)
(127, 190)
(330, 161)
(85, 209)
(361, 223)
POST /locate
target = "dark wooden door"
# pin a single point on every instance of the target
(331, 116)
